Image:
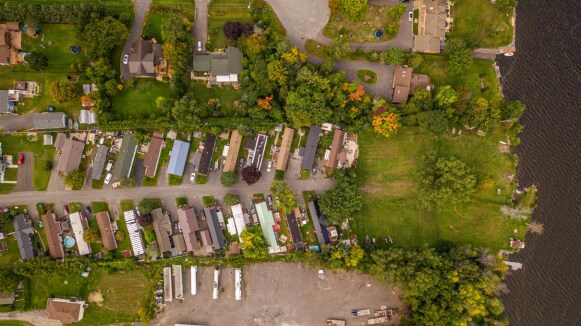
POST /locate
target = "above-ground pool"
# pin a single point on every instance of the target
(69, 242)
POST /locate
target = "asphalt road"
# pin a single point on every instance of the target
(200, 30)
(384, 76)
(16, 122)
(25, 173)
(141, 8)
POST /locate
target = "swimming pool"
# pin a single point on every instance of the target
(69, 242)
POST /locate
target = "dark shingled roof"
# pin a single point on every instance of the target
(311, 148)
(206, 159)
(126, 157)
(23, 232)
(215, 228)
(99, 162)
(320, 222)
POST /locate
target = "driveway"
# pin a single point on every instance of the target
(16, 122)
(138, 172)
(384, 76)
(302, 19)
(56, 182)
(141, 8)
(35, 317)
(26, 173)
(200, 30)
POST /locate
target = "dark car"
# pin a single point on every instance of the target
(20, 158)
(404, 1)
(88, 211)
(50, 108)
(241, 163)
(66, 209)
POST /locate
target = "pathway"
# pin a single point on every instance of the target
(141, 8)
(200, 30)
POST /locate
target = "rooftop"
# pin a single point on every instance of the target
(49, 120)
(65, 311)
(229, 63)
(189, 223)
(162, 228)
(99, 162)
(71, 155)
(215, 228)
(106, 230)
(23, 232)
(266, 223)
(206, 158)
(53, 232)
(144, 56)
(232, 157)
(311, 148)
(125, 157)
(285, 147)
(152, 157)
(79, 224)
(178, 157)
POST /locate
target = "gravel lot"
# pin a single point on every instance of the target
(277, 294)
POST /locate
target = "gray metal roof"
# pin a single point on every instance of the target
(6, 106)
(126, 157)
(23, 232)
(49, 120)
(311, 148)
(220, 64)
(99, 162)
(215, 228)
(178, 157)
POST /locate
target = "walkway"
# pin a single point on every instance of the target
(141, 9)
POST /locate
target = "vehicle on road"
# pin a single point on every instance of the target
(109, 166)
(411, 16)
(269, 167)
(108, 178)
(404, 1)
(125, 59)
(193, 177)
(199, 46)
(66, 209)
(20, 158)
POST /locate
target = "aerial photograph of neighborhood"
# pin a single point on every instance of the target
(290, 162)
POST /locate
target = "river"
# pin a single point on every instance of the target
(545, 74)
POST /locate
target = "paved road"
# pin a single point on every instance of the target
(35, 317)
(25, 173)
(141, 9)
(384, 76)
(200, 30)
(16, 122)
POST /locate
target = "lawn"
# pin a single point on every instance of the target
(139, 101)
(11, 174)
(162, 9)
(227, 96)
(485, 24)
(319, 49)
(13, 144)
(367, 76)
(363, 31)
(480, 73)
(60, 286)
(121, 291)
(14, 323)
(60, 60)
(390, 205)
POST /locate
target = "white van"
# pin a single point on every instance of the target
(194, 286)
(216, 289)
(199, 46)
(108, 178)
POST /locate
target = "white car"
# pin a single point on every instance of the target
(125, 59)
(108, 178)
(193, 177)
(269, 167)
(411, 16)
(199, 46)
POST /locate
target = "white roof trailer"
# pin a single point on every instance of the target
(238, 283)
(193, 272)
(178, 282)
(216, 283)
(167, 286)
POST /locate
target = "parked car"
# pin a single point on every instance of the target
(109, 166)
(199, 46)
(315, 169)
(411, 16)
(269, 167)
(20, 158)
(404, 1)
(137, 212)
(50, 108)
(125, 59)
(241, 163)
(108, 178)
(66, 209)
(88, 211)
(269, 199)
(193, 177)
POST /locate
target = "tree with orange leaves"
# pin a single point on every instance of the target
(265, 102)
(357, 95)
(385, 124)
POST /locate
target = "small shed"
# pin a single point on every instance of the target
(47, 140)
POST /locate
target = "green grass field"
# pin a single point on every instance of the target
(14, 323)
(387, 167)
(120, 291)
(139, 101)
(13, 144)
(483, 22)
(162, 9)
(363, 31)
(367, 76)
(226, 95)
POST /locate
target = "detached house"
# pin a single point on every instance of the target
(219, 68)
(405, 82)
(146, 60)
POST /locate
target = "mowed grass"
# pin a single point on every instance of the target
(362, 31)
(435, 67)
(139, 101)
(122, 291)
(227, 96)
(60, 286)
(478, 19)
(13, 144)
(162, 9)
(387, 170)
(60, 60)
(222, 11)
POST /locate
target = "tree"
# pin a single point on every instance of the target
(120, 235)
(146, 205)
(385, 124)
(250, 174)
(353, 9)
(415, 60)
(231, 199)
(233, 30)
(102, 36)
(341, 257)
(127, 182)
(229, 179)
(101, 72)
(285, 198)
(459, 56)
(253, 244)
(393, 56)
(512, 110)
(75, 179)
(445, 180)
(434, 121)
(8, 281)
(446, 97)
(174, 29)
(48, 165)
(343, 201)
(338, 49)
(63, 91)
(37, 60)
(90, 236)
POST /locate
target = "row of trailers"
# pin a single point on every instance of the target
(173, 283)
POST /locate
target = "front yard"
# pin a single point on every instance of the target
(485, 24)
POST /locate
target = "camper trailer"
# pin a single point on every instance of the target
(216, 289)
(193, 271)
(238, 283)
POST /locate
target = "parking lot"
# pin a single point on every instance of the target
(278, 294)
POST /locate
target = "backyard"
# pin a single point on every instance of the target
(227, 96)
(139, 100)
(485, 24)
(390, 205)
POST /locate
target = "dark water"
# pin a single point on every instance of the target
(546, 75)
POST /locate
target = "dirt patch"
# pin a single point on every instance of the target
(96, 297)
(395, 188)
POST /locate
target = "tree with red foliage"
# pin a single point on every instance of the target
(250, 174)
(233, 30)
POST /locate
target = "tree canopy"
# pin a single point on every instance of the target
(285, 197)
(62, 91)
(229, 179)
(343, 201)
(253, 245)
(101, 36)
(90, 235)
(250, 174)
(353, 9)
(75, 179)
(37, 60)
(231, 199)
(146, 205)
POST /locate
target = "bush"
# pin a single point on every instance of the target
(434, 121)
(37, 60)
(231, 199)
(229, 179)
(120, 235)
(48, 165)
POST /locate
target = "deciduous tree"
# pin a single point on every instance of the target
(37, 60)
(231, 199)
(228, 179)
(146, 205)
(75, 179)
(343, 201)
(233, 30)
(62, 91)
(285, 197)
(385, 124)
(102, 36)
(338, 49)
(90, 235)
(353, 9)
(253, 244)
(250, 174)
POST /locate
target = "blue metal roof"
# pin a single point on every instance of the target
(178, 157)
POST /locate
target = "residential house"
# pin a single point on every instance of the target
(189, 223)
(24, 234)
(49, 120)
(311, 148)
(266, 224)
(166, 240)
(64, 310)
(331, 156)
(126, 157)
(256, 148)
(234, 149)
(320, 223)
(433, 22)
(99, 162)
(53, 231)
(214, 226)
(207, 153)
(405, 83)
(295, 231)
(146, 60)
(285, 147)
(238, 217)
(79, 224)
(219, 68)
(153, 154)
(10, 43)
(134, 231)
(206, 239)
(178, 157)
(24, 89)
(7, 104)
(71, 154)
(106, 230)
